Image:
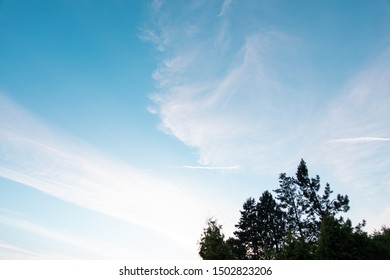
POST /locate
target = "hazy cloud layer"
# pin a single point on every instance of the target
(35, 155)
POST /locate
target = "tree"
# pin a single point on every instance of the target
(271, 225)
(381, 243)
(301, 223)
(247, 232)
(315, 205)
(291, 201)
(238, 249)
(261, 228)
(305, 208)
(338, 240)
(331, 239)
(212, 245)
(295, 249)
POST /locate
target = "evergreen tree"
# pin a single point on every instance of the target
(238, 249)
(261, 228)
(331, 240)
(247, 232)
(295, 249)
(271, 225)
(381, 244)
(338, 240)
(212, 245)
(301, 223)
(291, 201)
(300, 199)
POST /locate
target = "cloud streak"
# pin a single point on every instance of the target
(360, 140)
(361, 109)
(35, 155)
(88, 246)
(202, 167)
(360, 164)
(225, 6)
(9, 251)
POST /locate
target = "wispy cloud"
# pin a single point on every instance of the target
(360, 140)
(255, 104)
(225, 6)
(33, 154)
(88, 246)
(10, 251)
(222, 105)
(160, 36)
(360, 164)
(361, 109)
(156, 4)
(202, 167)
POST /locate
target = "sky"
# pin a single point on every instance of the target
(125, 125)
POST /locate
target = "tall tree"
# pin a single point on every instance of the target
(261, 228)
(212, 245)
(303, 204)
(292, 203)
(247, 232)
(316, 206)
(271, 225)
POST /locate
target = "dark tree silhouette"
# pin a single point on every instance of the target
(212, 245)
(261, 228)
(301, 223)
(304, 206)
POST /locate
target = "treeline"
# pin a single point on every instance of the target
(297, 222)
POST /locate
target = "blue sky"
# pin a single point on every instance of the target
(124, 125)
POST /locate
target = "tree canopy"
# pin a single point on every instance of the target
(300, 222)
(212, 245)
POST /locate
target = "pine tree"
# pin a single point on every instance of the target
(261, 228)
(247, 231)
(300, 199)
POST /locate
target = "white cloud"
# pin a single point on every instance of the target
(233, 167)
(257, 105)
(160, 39)
(156, 4)
(225, 6)
(90, 246)
(220, 94)
(361, 109)
(360, 140)
(10, 251)
(33, 154)
(225, 116)
(360, 164)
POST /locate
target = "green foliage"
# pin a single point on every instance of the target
(338, 240)
(212, 245)
(295, 249)
(331, 242)
(237, 247)
(381, 244)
